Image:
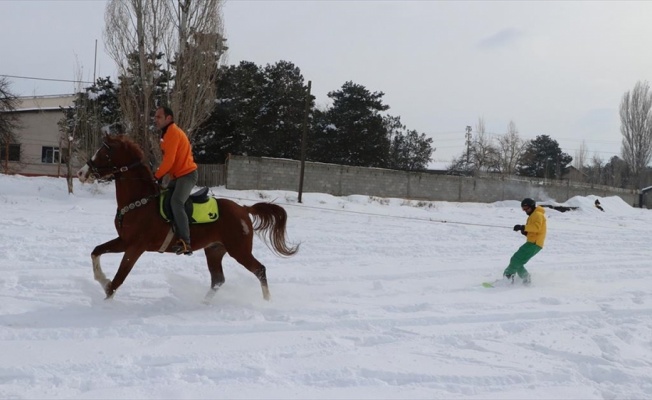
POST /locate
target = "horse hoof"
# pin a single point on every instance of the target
(109, 292)
(209, 295)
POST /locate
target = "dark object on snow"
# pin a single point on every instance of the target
(559, 208)
(598, 206)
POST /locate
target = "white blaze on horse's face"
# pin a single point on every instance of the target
(84, 172)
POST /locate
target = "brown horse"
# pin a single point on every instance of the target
(141, 227)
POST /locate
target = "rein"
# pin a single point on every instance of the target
(111, 175)
(113, 170)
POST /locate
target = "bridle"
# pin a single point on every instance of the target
(109, 172)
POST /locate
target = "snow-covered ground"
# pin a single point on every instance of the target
(384, 300)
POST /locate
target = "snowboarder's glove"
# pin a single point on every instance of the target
(519, 228)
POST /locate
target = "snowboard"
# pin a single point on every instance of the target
(502, 282)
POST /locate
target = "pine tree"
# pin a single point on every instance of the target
(354, 130)
(229, 128)
(258, 112)
(409, 150)
(281, 117)
(543, 158)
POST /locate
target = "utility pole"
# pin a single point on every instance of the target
(95, 62)
(304, 139)
(468, 142)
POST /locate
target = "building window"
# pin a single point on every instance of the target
(14, 152)
(50, 155)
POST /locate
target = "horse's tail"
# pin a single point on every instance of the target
(271, 219)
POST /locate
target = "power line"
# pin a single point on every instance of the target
(44, 79)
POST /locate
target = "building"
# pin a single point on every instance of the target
(575, 175)
(38, 151)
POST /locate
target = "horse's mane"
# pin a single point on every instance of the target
(129, 145)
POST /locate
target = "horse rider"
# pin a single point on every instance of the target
(179, 163)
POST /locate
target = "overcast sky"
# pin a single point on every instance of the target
(555, 68)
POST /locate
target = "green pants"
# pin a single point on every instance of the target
(520, 258)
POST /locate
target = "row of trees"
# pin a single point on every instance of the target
(542, 157)
(632, 170)
(259, 111)
(170, 52)
(167, 53)
(508, 154)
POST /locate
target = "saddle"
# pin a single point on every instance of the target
(200, 207)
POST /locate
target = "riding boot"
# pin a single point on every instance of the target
(182, 247)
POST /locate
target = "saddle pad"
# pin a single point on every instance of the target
(198, 213)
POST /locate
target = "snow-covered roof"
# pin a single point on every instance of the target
(41, 103)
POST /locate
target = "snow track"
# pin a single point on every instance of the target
(371, 307)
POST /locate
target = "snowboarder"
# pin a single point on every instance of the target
(598, 206)
(535, 231)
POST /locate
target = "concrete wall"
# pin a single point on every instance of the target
(260, 173)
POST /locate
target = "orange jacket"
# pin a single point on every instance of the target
(177, 154)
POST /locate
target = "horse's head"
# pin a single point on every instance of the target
(116, 155)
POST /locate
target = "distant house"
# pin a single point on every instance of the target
(575, 175)
(38, 150)
(439, 167)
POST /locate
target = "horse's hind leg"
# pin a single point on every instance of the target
(112, 246)
(258, 269)
(214, 255)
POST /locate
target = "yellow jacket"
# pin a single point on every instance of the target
(536, 226)
(177, 153)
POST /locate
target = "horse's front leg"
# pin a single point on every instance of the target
(132, 254)
(116, 245)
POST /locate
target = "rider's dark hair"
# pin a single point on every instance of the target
(167, 111)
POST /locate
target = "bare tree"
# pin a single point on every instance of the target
(132, 35)
(597, 165)
(8, 122)
(484, 153)
(636, 128)
(581, 157)
(186, 38)
(200, 48)
(69, 131)
(480, 126)
(510, 148)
